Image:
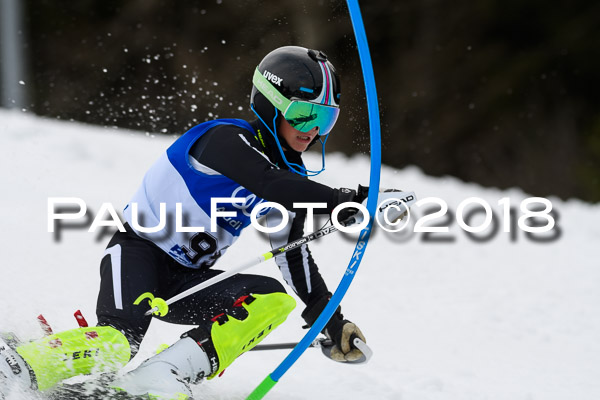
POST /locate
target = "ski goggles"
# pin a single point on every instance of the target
(301, 115)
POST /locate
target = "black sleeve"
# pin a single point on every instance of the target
(297, 266)
(234, 152)
(229, 150)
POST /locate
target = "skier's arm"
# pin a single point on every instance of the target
(302, 274)
(228, 150)
(297, 266)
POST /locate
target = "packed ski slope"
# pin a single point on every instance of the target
(497, 320)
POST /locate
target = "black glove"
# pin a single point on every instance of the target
(338, 329)
(344, 195)
(392, 206)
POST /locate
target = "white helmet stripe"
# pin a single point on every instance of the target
(326, 96)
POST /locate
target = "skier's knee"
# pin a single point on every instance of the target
(229, 337)
(273, 286)
(261, 284)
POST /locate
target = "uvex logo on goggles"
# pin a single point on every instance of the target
(301, 115)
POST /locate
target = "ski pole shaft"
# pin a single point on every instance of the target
(283, 346)
(274, 346)
(250, 263)
(218, 278)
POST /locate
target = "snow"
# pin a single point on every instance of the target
(501, 319)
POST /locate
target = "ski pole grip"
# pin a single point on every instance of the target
(362, 346)
(353, 338)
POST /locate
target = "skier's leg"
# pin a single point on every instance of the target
(130, 267)
(230, 337)
(233, 316)
(202, 307)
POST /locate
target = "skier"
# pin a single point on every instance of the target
(295, 96)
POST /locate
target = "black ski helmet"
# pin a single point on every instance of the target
(299, 74)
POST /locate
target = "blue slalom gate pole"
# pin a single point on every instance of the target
(374, 124)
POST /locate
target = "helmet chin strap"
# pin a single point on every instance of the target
(296, 168)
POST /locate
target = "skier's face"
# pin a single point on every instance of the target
(297, 140)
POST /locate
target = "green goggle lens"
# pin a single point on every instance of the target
(305, 116)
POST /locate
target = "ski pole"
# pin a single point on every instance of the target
(283, 346)
(326, 346)
(161, 306)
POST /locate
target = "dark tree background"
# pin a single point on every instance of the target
(499, 92)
